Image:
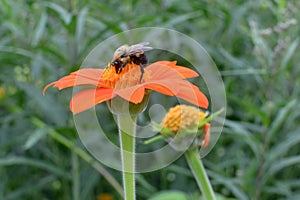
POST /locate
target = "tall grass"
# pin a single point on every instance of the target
(255, 44)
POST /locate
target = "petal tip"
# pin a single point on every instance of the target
(47, 86)
(203, 102)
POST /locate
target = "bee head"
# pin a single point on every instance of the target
(120, 51)
(116, 63)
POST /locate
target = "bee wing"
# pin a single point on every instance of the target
(137, 48)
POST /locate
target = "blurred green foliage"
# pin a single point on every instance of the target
(255, 44)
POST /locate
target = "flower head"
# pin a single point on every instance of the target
(186, 118)
(162, 76)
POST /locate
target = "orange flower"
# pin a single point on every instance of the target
(163, 76)
(105, 196)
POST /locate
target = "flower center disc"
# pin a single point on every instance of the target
(129, 76)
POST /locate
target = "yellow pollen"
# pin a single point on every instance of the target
(2, 92)
(129, 76)
(182, 117)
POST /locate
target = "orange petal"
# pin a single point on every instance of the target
(167, 87)
(206, 137)
(192, 94)
(183, 71)
(133, 94)
(162, 72)
(47, 86)
(88, 76)
(90, 73)
(88, 98)
(166, 62)
(179, 88)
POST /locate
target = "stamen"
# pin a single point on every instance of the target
(129, 76)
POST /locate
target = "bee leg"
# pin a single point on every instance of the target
(142, 72)
(122, 66)
(206, 137)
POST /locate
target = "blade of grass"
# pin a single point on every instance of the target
(239, 131)
(282, 147)
(279, 165)
(15, 160)
(30, 188)
(75, 177)
(35, 137)
(279, 120)
(256, 111)
(229, 184)
(289, 54)
(145, 184)
(38, 33)
(64, 14)
(81, 18)
(82, 154)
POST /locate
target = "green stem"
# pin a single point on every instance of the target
(127, 145)
(199, 173)
(154, 139)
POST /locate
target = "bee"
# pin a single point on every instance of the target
(131, 54)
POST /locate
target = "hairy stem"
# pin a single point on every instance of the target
(199, 173)
(127, 145)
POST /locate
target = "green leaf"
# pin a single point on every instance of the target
(289, 54)
(75, 177)
(160, 128)
(94, 178)
(144, 183)
(230, 184)
(234, 62)
(154, 139)
(35, 137)
(38, 33)
(280, 165)
(242, 134)
(293, 138)
(265, 52)
(81, 18)
(53, 110)
(30, 188)
(18, 51)
(209, 118)
(182, 18)
(37, 65)
(279, 120)
(169, 195)
(251, 108)
(14, 160)
(64, 14)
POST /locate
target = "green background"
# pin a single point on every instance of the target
(255, 45)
